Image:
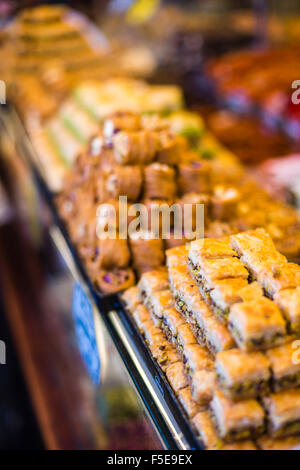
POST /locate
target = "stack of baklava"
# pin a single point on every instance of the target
(222, 322)
(155, 161)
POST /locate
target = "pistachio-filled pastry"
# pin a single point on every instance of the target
(153, 335)
(285, 367)
(176, 376)
(164, 354)
(224, 294)
(283, 410)
(242, 445)
(157, 303)
(274, 279)
(237, 420)
(251, 241)
(288, 300)
(142, 318)
(177, 256)
(243, 375)
(131, 298)
(178, 275)
(211, 248)
(256, 324)
(195, 357)
(152, 281)
(187, 402)
(203, 385)
(171, 321)
(184, 338)
(286, 443)
(204, 427)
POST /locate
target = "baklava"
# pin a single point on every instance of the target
(157, 303)
(176, 376)
(131, 298)
(288, 301)
(152, 281)
(210, 332)
(171, 321)
(204, 427)
(177, 256)
(283, 410)
(285, 367)
(276, 278)
(187, 402)
(237, 420)
(142, 318)
(184, 338)
(164, 354)
(286, 443)
(195, 357)
(210, 248)
(224, 294)
(242, 375)
(256, 324)
(203, 385)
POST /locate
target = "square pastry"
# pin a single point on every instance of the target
(243, 375)
(283, 410)
(152, 281)
(204, 427)
(285, 367)
(256, 324)
(131, 298)
(274, 279)
(203, 385)
(288, 301)
(210, 248)
(176, 376)
(237, 420)
(224, 294)
(172, 320)
(195, 357)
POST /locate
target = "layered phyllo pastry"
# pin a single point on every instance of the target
(276, 278)
(176, 376)
(251, 241)
(142, 318)
(131, 298)
(242, 445)
(178, 275)
(187, 402)
(288, 301)
(283, 410)
(195, 357)
(185, 337)
(204, 427)
(209, 248)
(164, 354)
(152, 281)
(237, 420)
(285, 367)
(256, 324)
(171, 321)
(224, 294)
(203, 385)
(242, 374)
(157, 303)
(286, 443)
(153, 335)
(177, 256)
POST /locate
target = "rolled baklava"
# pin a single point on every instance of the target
(237, 420)
(159, 181)
(147, 252)
(243, 375)
(124, 181)
(137, 147)
(194, 177)
(256, 324)
(224, 202)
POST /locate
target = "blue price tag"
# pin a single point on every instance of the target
(85, 331)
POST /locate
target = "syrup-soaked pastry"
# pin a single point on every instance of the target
(177, 275)
(186, 400)
(285, 367)
(153, 335)
(237, 420)
(203, 385)
(184, 338)
(224, 294)
(242, 375)
(195, 209)
(212, 334)
(131, 298)
(112, 253)
(210, 248)
(151, 282)
(142, 318)
(256, 324)
(171, 147)
(224, 202)
(286, 443)
(195, 357)
(176, 376)
(194, 176)
(171, 321)
(252, 241)
(115, 280)
(274, 279)
(147, 252)
(288, 301)
(159, 181)
(157, 303)
(242, 445)
(121, 120)
(283, 410)
(177, 256)
(204, 427)
(164, 354)
(124, 181)
(137, 147)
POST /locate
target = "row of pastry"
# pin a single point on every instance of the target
(248, 393)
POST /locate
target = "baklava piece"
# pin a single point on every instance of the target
(153, 335)
(243, 445)
(177, 256)
(176, 376)
(251, 240)
(237, 420)
(131, 298)
(157, 303)
(184, 337)
(206, 431)
(224, 294)
(142, 317)
(209, 248)
(242, 375)
(256, 324)
(195, 357)
(152, 281)
(187, 402)
(172, 320)
(276, 278)
(283, 410)
(203, 385)
(287, 443)
(211, 333)
(164, 354)
(288, 301)
(285, 370)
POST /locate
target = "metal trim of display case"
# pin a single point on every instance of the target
(152, 386)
